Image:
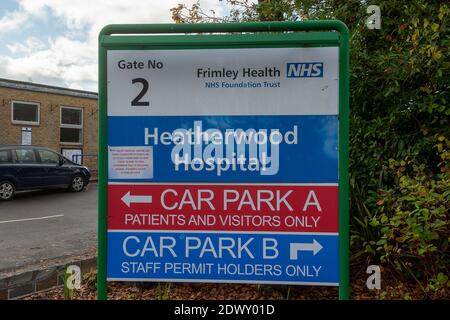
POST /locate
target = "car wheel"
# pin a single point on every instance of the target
(77, 184)
(7, 190)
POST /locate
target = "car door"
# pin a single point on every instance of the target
(6, 166)
(55, 172)
(27, 169)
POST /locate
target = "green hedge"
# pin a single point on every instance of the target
(399, 126)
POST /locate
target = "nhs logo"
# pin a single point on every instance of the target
(305, 70)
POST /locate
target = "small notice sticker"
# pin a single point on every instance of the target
(130, 162)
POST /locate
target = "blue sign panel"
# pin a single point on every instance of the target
(233, 148)
(224, 257)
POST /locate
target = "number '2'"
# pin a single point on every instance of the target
(137, 101)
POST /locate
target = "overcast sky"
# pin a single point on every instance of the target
(55, 41)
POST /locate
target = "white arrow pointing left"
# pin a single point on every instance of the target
(128, 199)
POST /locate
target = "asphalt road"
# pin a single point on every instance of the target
(40, 226)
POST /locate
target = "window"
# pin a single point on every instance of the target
(71, 125)
(25, 156)
(25, 113)
(48, 157)
(4, 156)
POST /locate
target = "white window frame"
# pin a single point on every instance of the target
(30, 123)
(71, 126)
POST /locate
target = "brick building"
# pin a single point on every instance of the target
(61, 119)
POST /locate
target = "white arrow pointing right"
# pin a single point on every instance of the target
(315, 247)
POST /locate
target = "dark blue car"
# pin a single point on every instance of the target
(31, 167)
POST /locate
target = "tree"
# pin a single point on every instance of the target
(399, 127)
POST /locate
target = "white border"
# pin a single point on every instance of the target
(257, 184)
(328, 284)
(72, 126)
(30, 123)
(226, 231)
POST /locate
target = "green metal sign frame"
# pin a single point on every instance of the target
(244, 35)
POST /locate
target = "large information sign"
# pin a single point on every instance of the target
(223, 157)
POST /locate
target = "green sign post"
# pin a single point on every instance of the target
(116, 41)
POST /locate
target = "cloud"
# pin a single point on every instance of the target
(13, 21)
(30, 45)
(70, 59)
(63, 62)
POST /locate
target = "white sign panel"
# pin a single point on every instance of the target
(211, 81)
(223, 165)
(26, 136)
(73, 154)
(130, 162)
